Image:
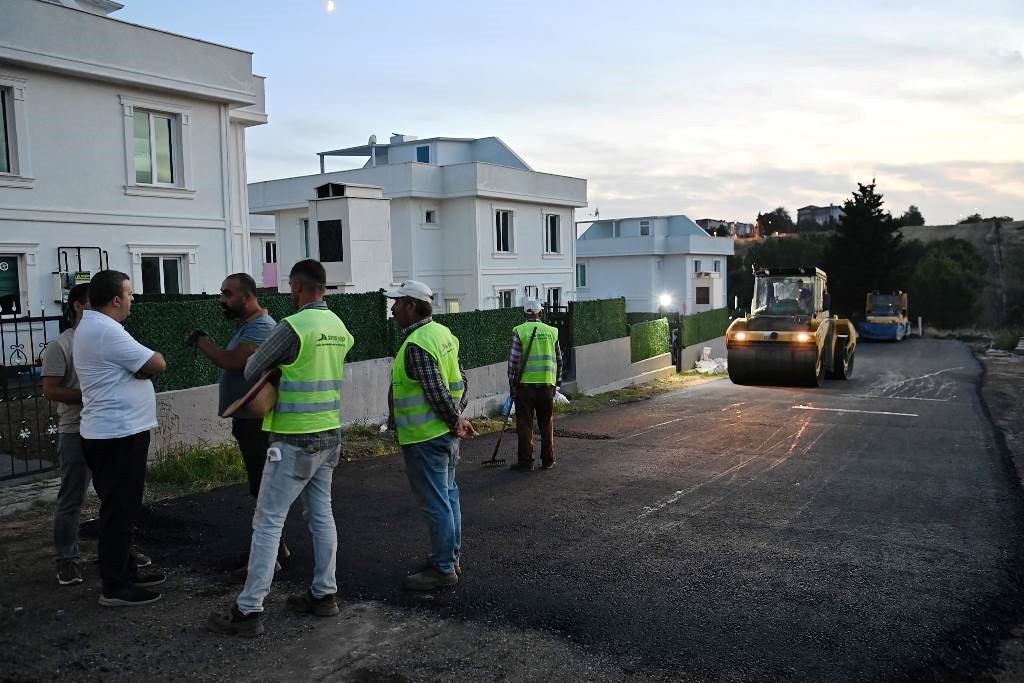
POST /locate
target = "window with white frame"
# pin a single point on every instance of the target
(452, 305)
(506, 298)
(718, 266)
(5, 136)
(645, 228)
(552, 234)
(703, 295)
(696, 265)
(616, 229)
(581, 274)
(305, 239)
(503, 231)
(10, 284)
(430, 217)
(531, 292)
(554, 297)
(270, 251)
(156, 138)
(162, 274)
(423, 154)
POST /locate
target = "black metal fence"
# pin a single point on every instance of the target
(560, 317)
(28, 421)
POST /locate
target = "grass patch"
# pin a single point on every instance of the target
(579, 403)
(196, 467)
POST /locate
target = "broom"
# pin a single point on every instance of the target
(495, 460)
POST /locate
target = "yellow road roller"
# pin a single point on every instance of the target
(789, 336)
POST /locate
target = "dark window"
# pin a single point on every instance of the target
(645, 228)
(270, 252)
(696, 266)
(423, 154)
(555, 297)
(718, 266)
(503, 231)
(172, 284)
(331, 248)
(430, 217)
(551, 235)
(505, 298)
(151, 275)
(703, 295)
(10, 286)
(581, 274)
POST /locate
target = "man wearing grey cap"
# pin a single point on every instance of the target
(534, 367)
(427, 397)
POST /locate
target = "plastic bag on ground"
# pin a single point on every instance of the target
(560, 397)
(712, 366)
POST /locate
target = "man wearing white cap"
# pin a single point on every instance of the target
(534, 366)
(428, 395)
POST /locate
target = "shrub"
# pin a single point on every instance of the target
(599, 320)
(648, 339)
(484, 336)
(700, 327)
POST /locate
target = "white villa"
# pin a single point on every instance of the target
(468, 216)
(121, 146)
(655, 262)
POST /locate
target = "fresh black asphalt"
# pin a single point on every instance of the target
(869, 529)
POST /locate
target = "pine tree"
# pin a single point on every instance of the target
(866, 252)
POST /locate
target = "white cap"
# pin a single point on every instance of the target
(413, 289)
(533, 306)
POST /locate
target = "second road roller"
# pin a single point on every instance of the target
(790, 337)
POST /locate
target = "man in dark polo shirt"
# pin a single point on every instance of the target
(252, 327)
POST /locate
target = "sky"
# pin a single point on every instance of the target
(711, 109)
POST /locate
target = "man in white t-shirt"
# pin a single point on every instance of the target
(118, 410)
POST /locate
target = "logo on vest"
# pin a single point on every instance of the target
(331, 339)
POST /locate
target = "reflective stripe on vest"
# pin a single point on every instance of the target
(309, 393)
(414, 417)
(542, 365)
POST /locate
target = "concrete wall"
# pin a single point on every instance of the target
(606, 366)
(691, 354)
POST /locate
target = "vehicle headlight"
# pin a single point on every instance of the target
(740, 336)
(803, 337)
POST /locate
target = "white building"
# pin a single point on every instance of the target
(126, 141)
(468, 216)
(822, 215)
(648, 257)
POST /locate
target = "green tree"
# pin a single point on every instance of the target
(865, 253)
(943, 291)
(973, 218)
(912, 216)
(777, 220)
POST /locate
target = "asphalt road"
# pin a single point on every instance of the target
(865, 530)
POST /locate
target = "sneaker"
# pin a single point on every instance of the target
(306, 603)
(141, 559)
(522, 467)
(548, 465)
(428, 579)
(234, 623)
(69, 572)
(129, 597)
(149, 579)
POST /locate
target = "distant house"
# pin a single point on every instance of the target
(468, 216)
(733, 228)
(648, 257)
(121, 146)
(822, 215)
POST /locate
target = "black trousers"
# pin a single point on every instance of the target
(119, 475)
(253, 442)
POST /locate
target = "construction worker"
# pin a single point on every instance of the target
(428, 395)
(309, 349)
(534, 369)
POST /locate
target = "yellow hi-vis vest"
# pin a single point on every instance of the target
(309, 394)
(542, 366)
(414, 418)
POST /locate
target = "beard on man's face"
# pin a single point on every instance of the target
(232, 312)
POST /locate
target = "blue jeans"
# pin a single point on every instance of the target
(297, 473)
(430, 466)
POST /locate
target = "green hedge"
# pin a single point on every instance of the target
(700, 327)
(598, 320)
(648, 339)
(162, 325)
(484, 336)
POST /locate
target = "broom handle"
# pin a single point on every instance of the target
(519, 374)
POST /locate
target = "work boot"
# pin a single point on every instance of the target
(428, 579)
(307, 603)
(149, 579)
(234, 623)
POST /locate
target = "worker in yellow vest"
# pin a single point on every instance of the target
(427, 398)
(534, 369)
(309, 349)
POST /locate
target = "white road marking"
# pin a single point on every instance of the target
(647, 429)
(851, 410)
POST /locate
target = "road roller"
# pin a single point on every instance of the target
(790, 337)
(885, 317)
